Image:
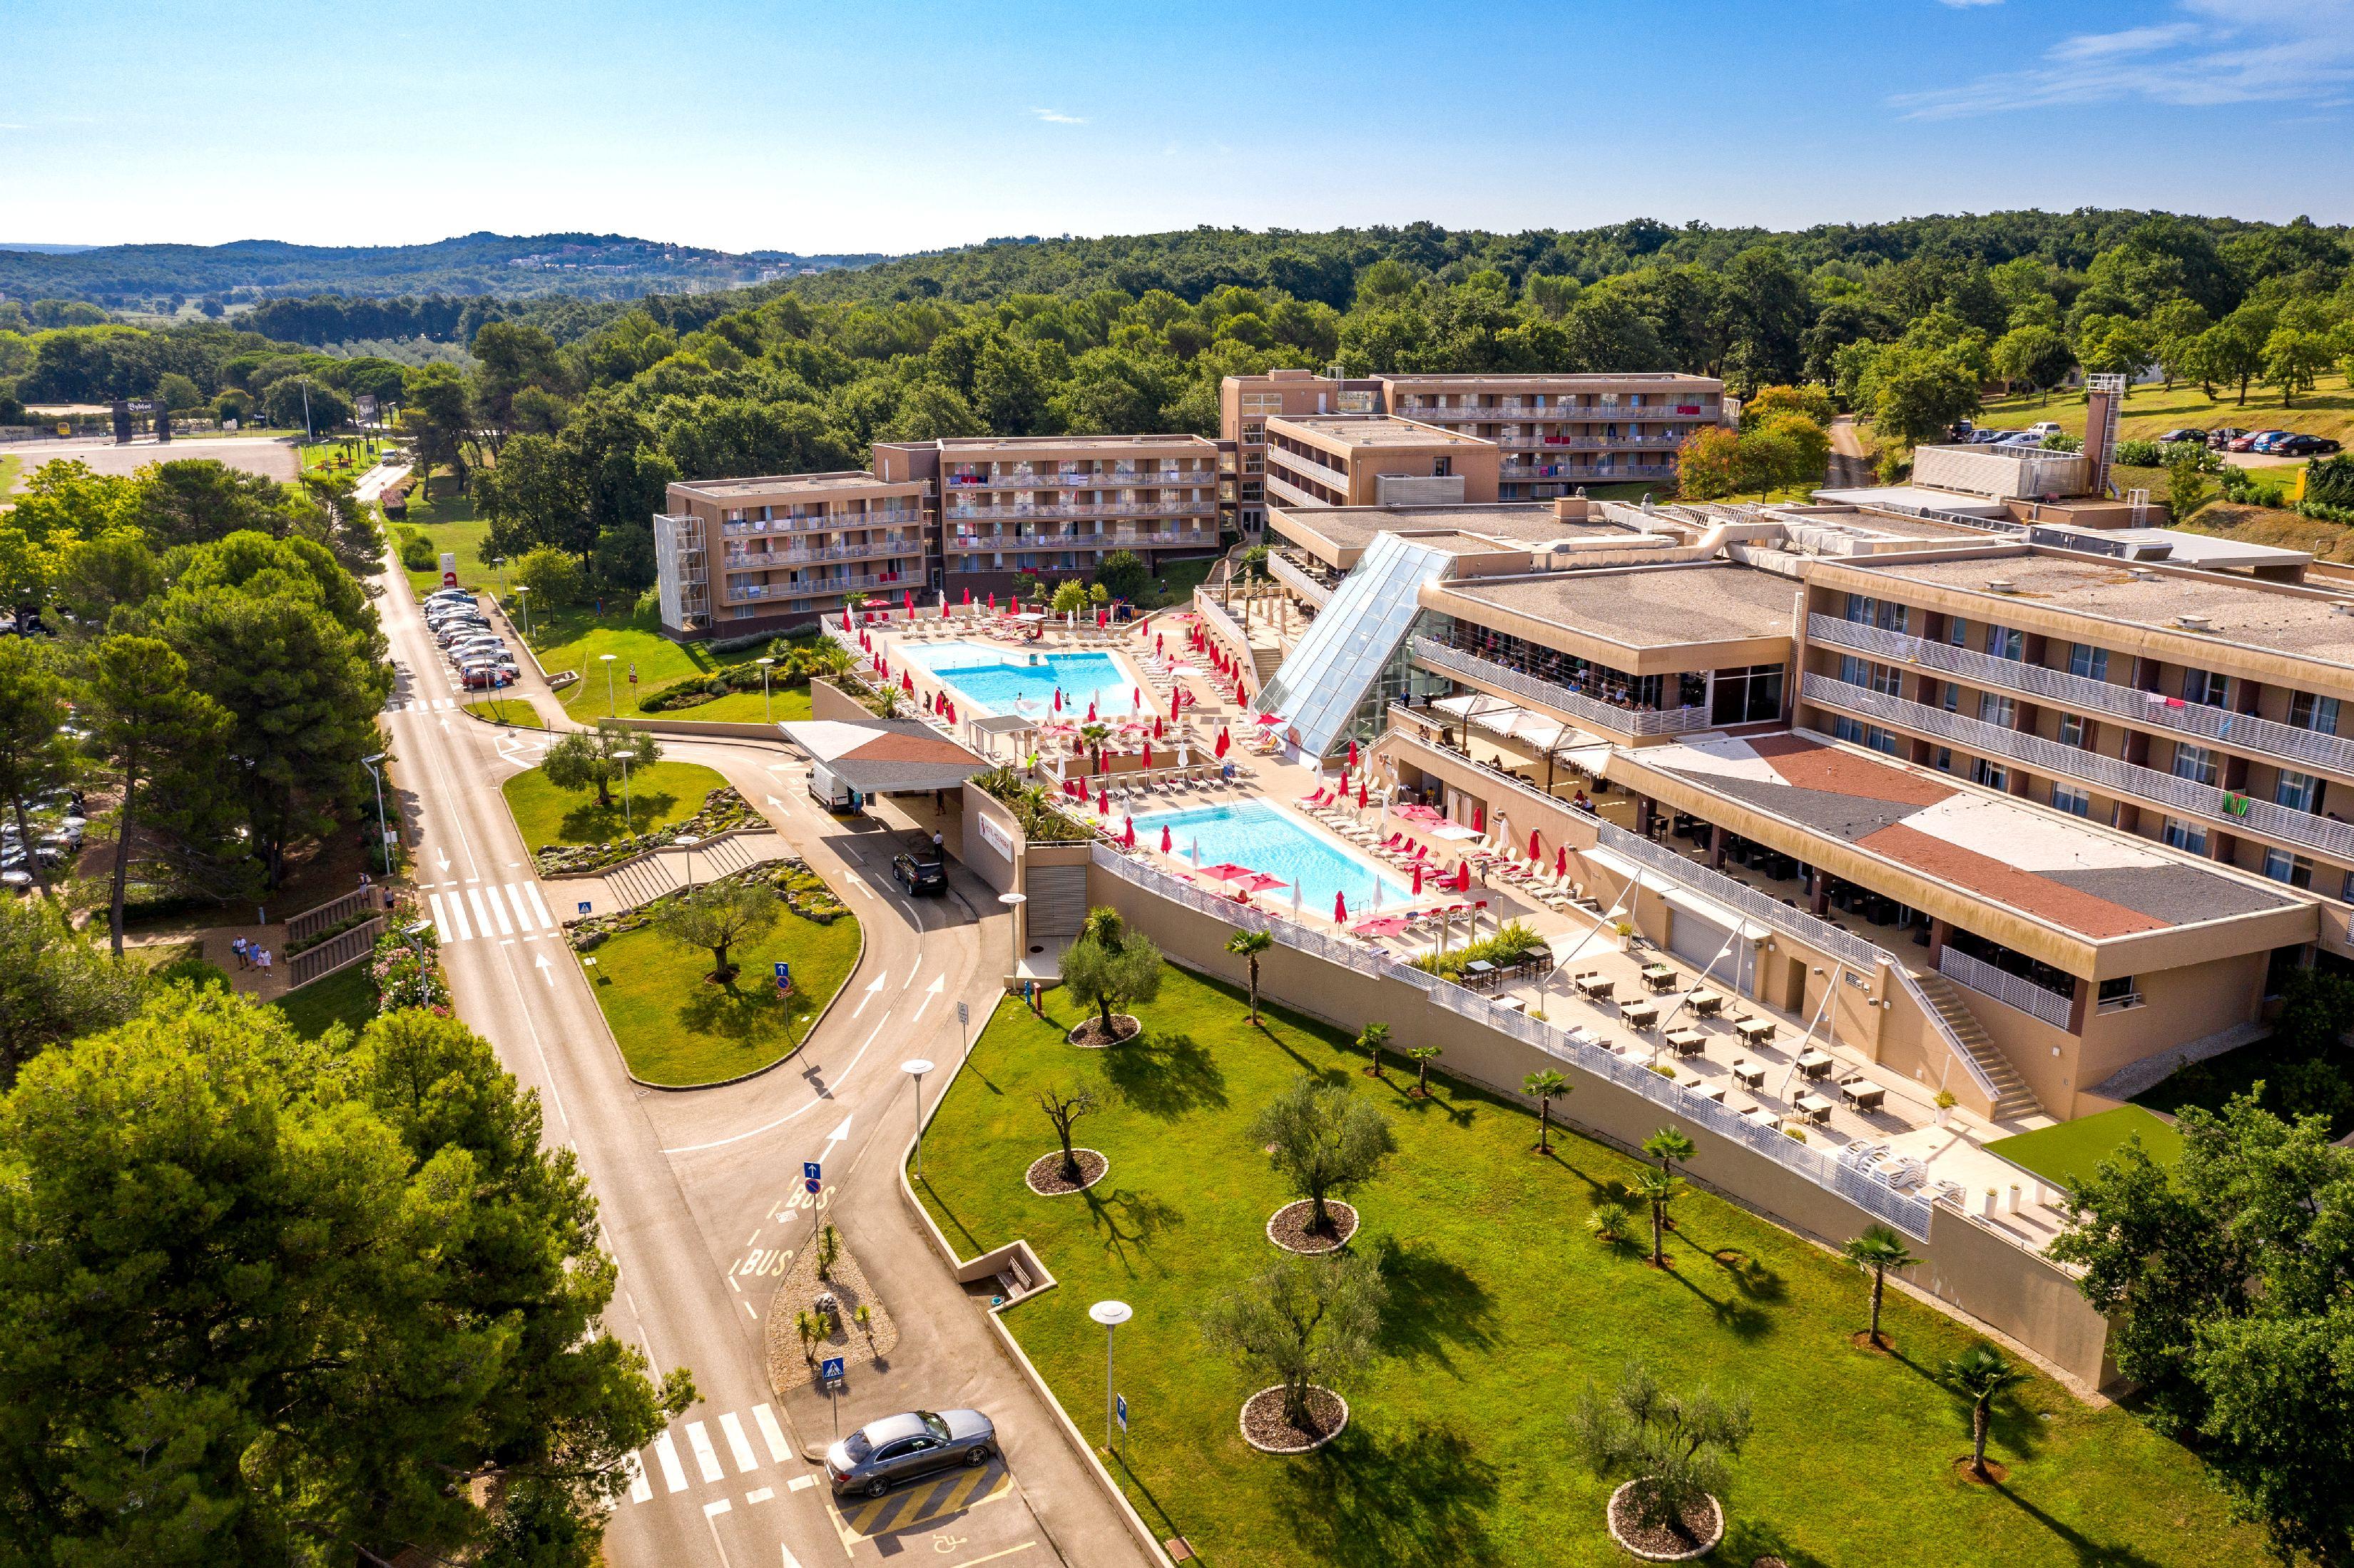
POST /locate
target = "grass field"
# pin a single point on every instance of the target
(513, 711)
(2150, 412)
(1502, 1309)
(676, 1027)
(2071, 1150)
(11, 469)
(576, 638)
(448, 523)
(347, 996)
(324, 457)
(658, 795)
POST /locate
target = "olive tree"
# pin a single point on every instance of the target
(1324, 1141)
(715, 917)
(1680, 1448)
(1305, 1321)
(1110, 968)
(592, 758)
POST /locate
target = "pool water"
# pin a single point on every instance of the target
(1260, 836)
(995, 679)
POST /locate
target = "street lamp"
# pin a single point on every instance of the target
(1013, 902)
(766, 713)
(522, 598)
(610, 711)
(918, 1067)
(499, 564)
(383, 832)
(625, 759)
(1111, 1315)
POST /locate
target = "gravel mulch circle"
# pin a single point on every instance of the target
(1288, 1227)
(1997, 1471)
(1089, 1035)
(1696, 1534)
(1265, 1429)
(1047, 1179)
(798, 1294)
(1862, 1340)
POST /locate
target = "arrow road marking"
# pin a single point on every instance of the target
(939, 983)
(870, 991)
(546, 971)
(443, 856)
(836, 1135)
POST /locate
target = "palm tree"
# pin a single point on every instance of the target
(1876, 1251)
(1422, 1055)
(1542, 1088)
(1247, 946)
(1658, 1189)
(1373, 1037)
(1670, 1147)
(1982, 1375)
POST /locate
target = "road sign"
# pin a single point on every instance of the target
(964, 1012)
(584, 906)
(809, 1171)
(633, 672)
(392, 835)
(784, 974)
(831, 1369)
(1122, 1401)
(810, 1186)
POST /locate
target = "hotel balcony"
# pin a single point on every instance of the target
(2149, 710)
(1198, 478)
(2235, 812)
(820, 587)
(1189, 506)
(826, 523)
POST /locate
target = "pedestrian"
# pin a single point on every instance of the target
(265, 962)
(237, 945)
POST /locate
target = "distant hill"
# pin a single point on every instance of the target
(42, 249)
(582, 266)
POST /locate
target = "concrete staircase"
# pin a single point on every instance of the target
(2013, 1099)
(646, 879)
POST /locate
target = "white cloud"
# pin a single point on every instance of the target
(2221, 52)
(1056, 117)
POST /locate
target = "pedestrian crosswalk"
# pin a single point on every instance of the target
(461, 915)
(732, 1431)
(423, 705)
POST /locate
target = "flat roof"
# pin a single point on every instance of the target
(2215, 552)
(789, 484)
(1654, 607)
(883, 756)
(1530, 522)
(1072, 443)
(2278, 620)
(2049, 866)
(1499, 379)
(1374, 430)
(1916, 496)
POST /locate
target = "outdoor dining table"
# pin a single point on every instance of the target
(1479, 973)
(1706, 1004)
(1705, 1090)
(1511, 1003)
(1756, 1031)
(1659, 977)
(1640, 1015)
(1687, 1042)
(1596, 986)
(1762, 1117)
(1751, 1075)
(1863, 1094)
(1814, 1108)
(1815, 1064)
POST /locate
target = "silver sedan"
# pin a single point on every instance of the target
(881, 1454)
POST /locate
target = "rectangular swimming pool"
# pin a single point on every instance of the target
(996, 679)
(1262, 837)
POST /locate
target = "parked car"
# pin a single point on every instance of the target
(482, 642)
(920, 867)
(458, 629)
(484, 677)
(1961, 431)
(2222, 436)
(2043, 427)
(881, 1454)
(2247, 443)
(1989, 437)
(2302, 445)
(2185, 434)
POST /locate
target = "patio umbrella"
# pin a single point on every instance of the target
(1561, 861)
(1363, 798)
(1103, 619)
(1175, 696)
(848, 624)
(908, 598)
(1146, 755)
(1160, 643)
(1128, 839)
(1103, 760)
(1536, 850)
(1103, 803)
(967, 597)
(1058, 699)
(1196, 852)
(1259, 882)
(1339, 908)
(907, 680)
(1222, 741)
(1417, 879)
(1226, 871)
(1157, 730)
(1136, 699)
(992, 602)
(1479, 819)
(1463, 876)
(1165, 838)
(1269, 720)
(1379, 926)
(1352, 754)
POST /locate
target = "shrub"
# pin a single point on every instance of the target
(2139, 454)
(417, 552)
(553, 576)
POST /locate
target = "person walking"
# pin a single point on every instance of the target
(265, 962)
(237, 945)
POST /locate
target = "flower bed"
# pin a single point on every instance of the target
(407, 970)
(723, 809)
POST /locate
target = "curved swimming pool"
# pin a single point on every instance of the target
(996, 679)
(1266, 839)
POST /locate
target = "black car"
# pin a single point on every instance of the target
(2303, 446)
(2186, 434)
(920, 868)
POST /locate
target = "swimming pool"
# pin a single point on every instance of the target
(994, 679)
(1260, 836)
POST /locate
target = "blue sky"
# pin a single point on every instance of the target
(896, 125)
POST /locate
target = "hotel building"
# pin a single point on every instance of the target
(791, 548)
(1364, 460)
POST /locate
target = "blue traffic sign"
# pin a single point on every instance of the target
(784, 972)
(811, 1169)
(1121, 1400)
(831, 1369)
(584, 906)
(810, 1186)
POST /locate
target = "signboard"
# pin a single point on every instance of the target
(584, 906)
(831, 1369)
(784, 975)
(449, 568)
(365, 405)
(995, 836)
(811, 1186)
(1121, 1400)
(392, 835)
(964, 1012)
(633, 671)
(810, 1170)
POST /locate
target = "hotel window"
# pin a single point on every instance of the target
(2069, 798)
(1354, 402)
(1753, 695)
(1262, 402)
(1943, 759)
(2005, 642)
(2182, 835)
(2292, 869)
(2091, 663)
(1865, 611)
(2073, 730)
(1992, 774)
(1255, 435)
(2318, 715)
(2196, 763)
(1997, 709)
(2115, 992)
(2203, 686)
(2298, 791)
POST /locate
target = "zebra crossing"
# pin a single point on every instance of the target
(470, 912)
(423, 705)
(732, 1431)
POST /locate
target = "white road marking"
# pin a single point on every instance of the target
(939, 983)
(738, 1448)
(667, 1454)
(800, 1483)
(499, 912)
(440, 916)
(711, 1509)
(538, 908)
(706, 1455)
(761, 1496)
(774, 1437)
(481, 915)
(640, 1489)
(871, 992)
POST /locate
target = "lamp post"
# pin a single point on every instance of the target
(522, 598)
(767, 714)
(1111, 1315)
(625, 758)
(610, 711)
(1013, 902)
(915, 1067)
(383, 830)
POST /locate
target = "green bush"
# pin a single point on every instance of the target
(2330, 482)
(2141, 454)
(1510, 945)
(417, 552)
(553, 576)
(201, 973)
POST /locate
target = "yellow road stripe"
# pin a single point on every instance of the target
(963, 1489)
(912, 1508)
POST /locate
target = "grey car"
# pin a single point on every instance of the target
(882, 1454)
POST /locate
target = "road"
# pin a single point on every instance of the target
(700, 1193)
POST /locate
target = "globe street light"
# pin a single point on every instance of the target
(610, 711)
(1111, 1315)
(766, 713)
(522, 598)
(918, 1067)
(1013, 902)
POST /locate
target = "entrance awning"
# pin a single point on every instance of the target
(884, 756)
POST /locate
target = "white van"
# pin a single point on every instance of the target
(831, 793)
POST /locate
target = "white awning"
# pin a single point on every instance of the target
(1474, 704)
(1589, 758)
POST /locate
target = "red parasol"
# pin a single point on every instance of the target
(1058, 699)
(1417, 879)
(992, 602)
(1479, 819)
(1561, 861)
(1136, 699)
(1165, 838)
(1156, 726)
(968, 598)
(1103, 760)
(1173, 698)
(907, 680)
(1103, 803)
(1128, 839)
(1352, 754)
(1463, 876)
(1091, 710)
(1222, 741)
(1339, 908)
(848, 624)
(1362, 797)
(1536, 850)
(1147, 762)
(1160, 643)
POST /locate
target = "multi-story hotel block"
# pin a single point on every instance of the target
(1554, 433)
(794, 545)
(1362, 460)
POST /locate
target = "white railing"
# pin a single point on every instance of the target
(819, 587)
(1224, 627)
(2005, 987)
(1535, 442)
(1188, 508)
(1299, 581)
(2244, 731)
(831, 523)
(1156, 539)
(1605, 715)
(1313, 467)
(1171, 478)
(2332, 838)
(746, 561)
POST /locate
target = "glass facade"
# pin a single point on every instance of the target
(1351, 661)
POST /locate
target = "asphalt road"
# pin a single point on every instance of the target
(700, 1193)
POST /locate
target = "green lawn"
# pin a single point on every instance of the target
(347, 996)
(10, 469)
(676, 1027)
(2150, 412)
(1502, 1308)
(323, 457)
(2071, 1149)
(576, 638)
(658, 795)
(448, 523)
(515, 711)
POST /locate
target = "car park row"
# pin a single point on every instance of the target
(478, 654)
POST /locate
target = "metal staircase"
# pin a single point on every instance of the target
(2013, 1099)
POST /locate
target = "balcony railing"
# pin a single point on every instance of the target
(818, 587)
(1202, 507)
(1289, 574)
(1283, 492)
(1110, 479)
(829, 523)
(1584, 443)
(1561, 699)
(2244, 732)
(2116, 776)
(749, 561)
(2006, 988)
(1110, 538)
(1570, 413)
